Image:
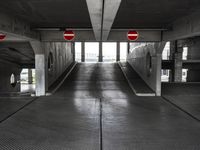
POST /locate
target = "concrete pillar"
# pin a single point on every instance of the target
(41, 68)
(193, 75)
(82, 51)
(73, 51)
(128, 48)
(30, 77)
(158, 65)
(176, 54)
(100, 52)
(40, 74)
(118, 52)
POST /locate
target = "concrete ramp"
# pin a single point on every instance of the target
(139, 87)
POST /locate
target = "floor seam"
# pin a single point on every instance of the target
(25, 105)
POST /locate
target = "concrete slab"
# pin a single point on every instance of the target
(9, 105)
(147, 123)
(190, 104)
(99, 114)
(187, 89)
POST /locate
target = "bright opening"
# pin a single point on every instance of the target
(165, 75)
(185, 53)
(109, 51)
(78, 51)
(91, 52)
(123, 51)
(27, 80)
(166, 52)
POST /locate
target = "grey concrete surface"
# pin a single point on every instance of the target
(184, 95)
(96, 109)
(145, 58)
(9, 105)
(139, 86)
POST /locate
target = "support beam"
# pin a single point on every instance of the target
(102, 15)
(41, 75)
(73, 51)
(185, 27)
(16, 29)
(176, 75)
(110, 10)
(30, 76)
(95, 8)
(88, 36)
(118, 52)
(82, 51)
(100, 52)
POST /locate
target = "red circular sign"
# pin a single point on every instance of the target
(133, 35)
(69, 35)
(2, 36)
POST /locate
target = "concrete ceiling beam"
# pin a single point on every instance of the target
(111, 8)
(102, 15)
(16, 29)
(186, 27)
(114, 36)
(95, 8)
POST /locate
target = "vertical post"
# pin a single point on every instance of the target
(73, 51)
(158, 74)
(30, 77)
(40, 75)
(82, 51)
(128, 48)
(100, 52)
(177, 59)
(41, 70)
(118, 52)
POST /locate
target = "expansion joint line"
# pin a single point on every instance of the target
(101, 124)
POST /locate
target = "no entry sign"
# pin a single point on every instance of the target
(69, 35)
(132, 35)
(2, 36)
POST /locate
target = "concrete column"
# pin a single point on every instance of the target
(82, 51)
(40, 74)
(158, 74)
(73, 50)
(118, 52)
(193, 75)
(176, 54)
(100, 52)
(178, 65)
(30, 77)
(41, 68)
(128, 48)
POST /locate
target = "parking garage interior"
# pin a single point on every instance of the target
(99, 75)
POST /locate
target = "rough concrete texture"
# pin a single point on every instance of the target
(95, 109)
(194, 54)
(148, 68)
(7, 69)
(62, 57)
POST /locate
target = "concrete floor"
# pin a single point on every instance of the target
(96, 109)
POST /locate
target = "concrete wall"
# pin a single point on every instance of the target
(6, 71)
(62, 58)
(138, 59)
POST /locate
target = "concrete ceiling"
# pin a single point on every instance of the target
(153, 13)
(74, 13)
(19, 53)
(49, 13)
